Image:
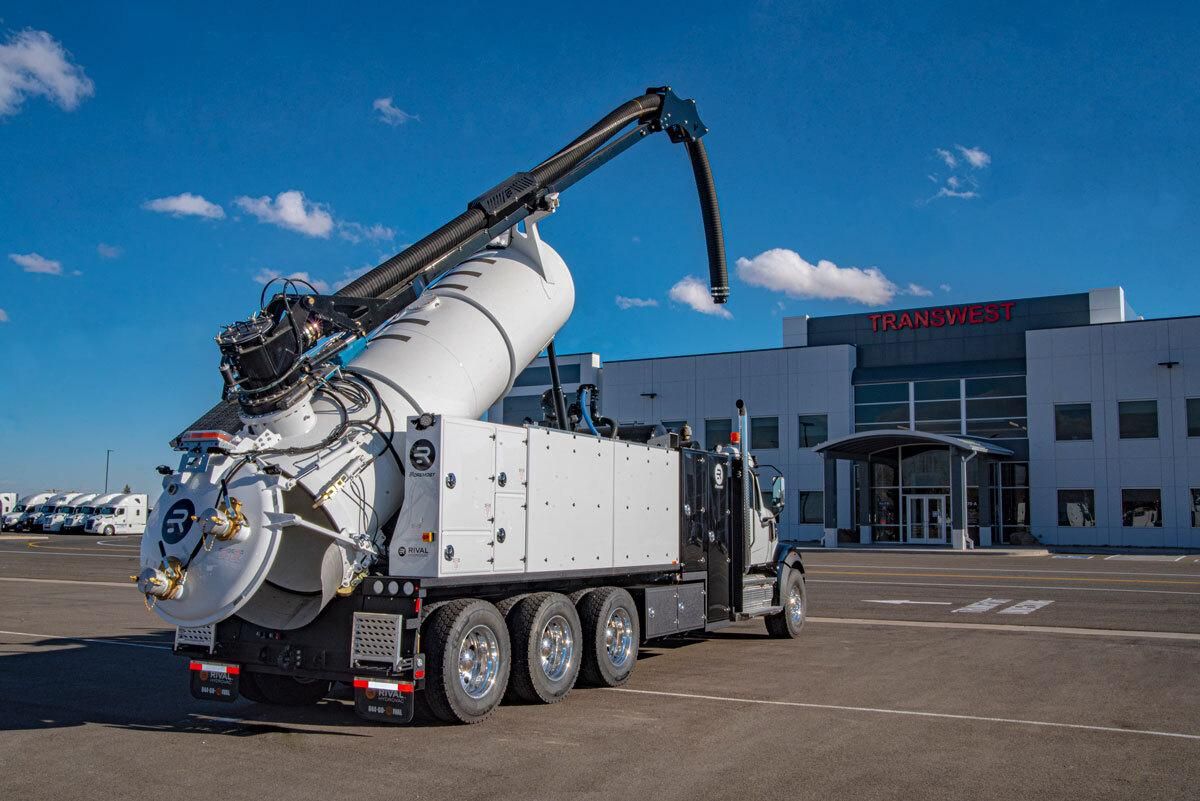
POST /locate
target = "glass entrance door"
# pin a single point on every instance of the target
(926, 518)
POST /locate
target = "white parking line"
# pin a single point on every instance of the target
(1024, 608)
(1113, 573)
(991, 586)
(1011, 627)
(979, 607)
(912, 713)
(122, 584)
(75, 554)
(92, 640)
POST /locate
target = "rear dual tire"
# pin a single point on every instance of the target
(468, 657)
(546, 633)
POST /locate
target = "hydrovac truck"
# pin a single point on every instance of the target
(343, 515)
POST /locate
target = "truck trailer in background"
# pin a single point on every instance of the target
(76, 521)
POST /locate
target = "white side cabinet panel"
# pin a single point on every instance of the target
(646, 506)
(512, 458)
(570, 502)
(467, 477)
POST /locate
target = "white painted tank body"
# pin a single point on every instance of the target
(456, 350)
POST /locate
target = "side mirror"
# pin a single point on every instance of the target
(778, 494)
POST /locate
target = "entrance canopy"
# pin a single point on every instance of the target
(859, 446)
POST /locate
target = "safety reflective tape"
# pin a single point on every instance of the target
(375, 684)
(210, 667)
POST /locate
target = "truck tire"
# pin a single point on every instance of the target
(108, 531)
(467, 660)
(611, 637)
(546, 633)
(287, 690)
(793, 597)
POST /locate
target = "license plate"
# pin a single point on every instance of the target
(214, 681)
(388, 701)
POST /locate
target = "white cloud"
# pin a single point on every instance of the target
(34, 263)
(635, 303)
(185, 205)
(784, 270)
(691, 291)
(974, 156)
(3, 316)
(357, 232)
(391, 115)
(265, 276)
(108, 251)
(34, 63)
(946, 156)
(289, 210)
(916, 289)
(947, 191)
(944, 287)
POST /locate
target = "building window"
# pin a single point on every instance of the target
(1138, 419)
(814, 429)
(716, 432)
(812, 507)
(1072, 421)
(540, 376)
(764, 433)
(1193, 417)
(1141, 508)
(519, 408)
(1077, 508)
(1196, 508)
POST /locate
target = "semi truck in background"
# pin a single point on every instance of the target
(124, 514)
(46, 509)
(77, 520)
(8, 501)
(343, 515)
(17, 519)
(56, 521)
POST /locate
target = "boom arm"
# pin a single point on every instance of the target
(266, 360)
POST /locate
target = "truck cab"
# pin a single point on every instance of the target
(46, 509)
(125, 514)
(8, 500)
(16, 520)
(77, 520)
(57, 520)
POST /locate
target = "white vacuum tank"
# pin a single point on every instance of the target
(270, 533)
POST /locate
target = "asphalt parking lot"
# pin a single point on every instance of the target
(918, 676)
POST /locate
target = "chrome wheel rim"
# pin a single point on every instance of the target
(618, 637)
(795, 607)
(556, 648)
(478, 661)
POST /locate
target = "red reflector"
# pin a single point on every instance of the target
(206, 435)
(418, 606)
(418, 674)
(209, 667)
(377, 684)
(734, 437)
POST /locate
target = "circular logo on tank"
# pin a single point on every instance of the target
(422, 454)
(718, 474)
(177, 522)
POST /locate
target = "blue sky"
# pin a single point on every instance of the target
(1068, 131)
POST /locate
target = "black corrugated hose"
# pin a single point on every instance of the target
(718, 273)
(413, 259)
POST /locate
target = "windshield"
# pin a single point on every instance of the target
(108, 510)
(20, 508)
(63, 510)
(87, 510)
(45, 508)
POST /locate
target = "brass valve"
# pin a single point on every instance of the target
(164, 582)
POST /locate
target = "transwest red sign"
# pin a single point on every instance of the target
(972, 314)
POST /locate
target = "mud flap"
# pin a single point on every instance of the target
(214, 681)
(383, 700)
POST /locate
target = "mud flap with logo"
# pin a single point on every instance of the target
(387, 701)
(214, 681)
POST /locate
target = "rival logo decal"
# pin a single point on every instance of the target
(177, 522)
(422, 454)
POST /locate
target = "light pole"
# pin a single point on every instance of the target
(107, 454)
